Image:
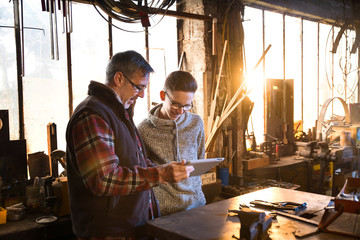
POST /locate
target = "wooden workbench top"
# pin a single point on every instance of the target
(212, 221)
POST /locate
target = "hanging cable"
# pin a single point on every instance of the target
(129, 12)
(136, 13)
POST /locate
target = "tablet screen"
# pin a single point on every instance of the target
(201, 166)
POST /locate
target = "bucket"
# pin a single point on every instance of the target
(223, 175)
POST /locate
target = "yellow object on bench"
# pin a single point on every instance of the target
(2, 215)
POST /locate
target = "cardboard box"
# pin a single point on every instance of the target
(2, 215)
(256, 163)
(351, 206)
(340, 178)
(208, 178)
(60, 188)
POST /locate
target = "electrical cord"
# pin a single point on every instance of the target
(112, 23)
(128, 12)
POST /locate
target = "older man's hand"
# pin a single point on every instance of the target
(174, 172)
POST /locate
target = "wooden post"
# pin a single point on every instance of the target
(52, 145)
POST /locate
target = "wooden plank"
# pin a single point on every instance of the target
(213, 102)
(230, 107)
(233, 99)
(255, 163)
(205, 106)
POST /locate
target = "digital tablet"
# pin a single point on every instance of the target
(203, 165)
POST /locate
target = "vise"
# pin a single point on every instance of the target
(323, 155)
(254, 224)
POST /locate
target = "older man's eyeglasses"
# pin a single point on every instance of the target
(177, 106)
(137, 88)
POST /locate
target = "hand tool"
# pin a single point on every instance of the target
(296, 217)
(279, 205)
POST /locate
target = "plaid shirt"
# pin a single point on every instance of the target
(100, 167)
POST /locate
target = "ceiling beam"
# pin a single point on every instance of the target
(171, 13)
(324, 11)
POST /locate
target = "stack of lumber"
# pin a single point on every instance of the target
(214, 126)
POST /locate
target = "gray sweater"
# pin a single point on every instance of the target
(166, 141)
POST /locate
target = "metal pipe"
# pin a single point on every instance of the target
(345, 70)
(332, 72)
(265, 85)
(71, 15)
(22, 38)
(284, 84)
(51, 29)
(19, 68)
(302, 70)
(110, 37)
(69, 67)
(358, 75)
(318, 69)
(148, 60)
(56, 32)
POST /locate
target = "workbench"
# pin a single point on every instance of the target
(28, 229)
(291, 169)
(212, 221)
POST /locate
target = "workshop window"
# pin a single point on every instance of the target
(309, 99)
(317, 73)
(45, 79)
(45, 85)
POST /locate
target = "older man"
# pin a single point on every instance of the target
(109, 175)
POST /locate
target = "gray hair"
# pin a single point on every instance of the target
(127, 62)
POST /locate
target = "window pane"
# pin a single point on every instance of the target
(8, 72)
(325, 64)
(274, 36)
(253, 51)
(163, 53)
(45, 80)
(89, 49)
(310, 100)
(274, 70)
(293, 59)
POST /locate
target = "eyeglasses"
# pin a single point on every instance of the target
(177, 106)
(137, 88)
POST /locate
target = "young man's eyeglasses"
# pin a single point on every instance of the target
(177, 106)
(137, 88)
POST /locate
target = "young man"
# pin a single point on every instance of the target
(109, 175)
(172, 133)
